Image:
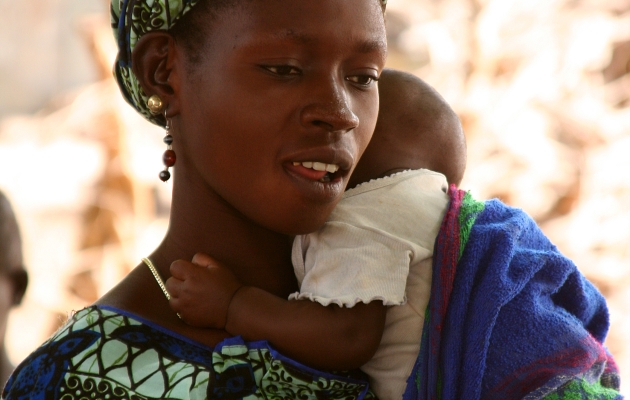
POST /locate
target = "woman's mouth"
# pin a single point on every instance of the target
(319, 174)
(317, 171)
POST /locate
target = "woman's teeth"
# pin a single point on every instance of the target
(318, 166)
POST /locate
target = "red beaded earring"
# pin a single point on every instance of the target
(156, 106)
(169, 157)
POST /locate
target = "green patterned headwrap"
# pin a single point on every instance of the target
(130, 20)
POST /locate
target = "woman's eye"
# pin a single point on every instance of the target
(363, 80)
(282, 69)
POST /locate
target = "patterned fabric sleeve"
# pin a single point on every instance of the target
(102, 353)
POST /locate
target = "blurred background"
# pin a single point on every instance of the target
(542, 88)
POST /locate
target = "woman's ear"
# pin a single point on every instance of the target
(155, 63)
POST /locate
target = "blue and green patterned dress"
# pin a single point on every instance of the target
(104, 353)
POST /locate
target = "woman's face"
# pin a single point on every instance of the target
(283, 89)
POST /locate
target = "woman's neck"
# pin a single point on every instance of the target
(203, 222)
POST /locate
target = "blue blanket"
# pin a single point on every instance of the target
(510, 317)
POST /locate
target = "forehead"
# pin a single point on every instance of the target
(331, 23)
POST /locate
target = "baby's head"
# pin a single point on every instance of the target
(416, 129)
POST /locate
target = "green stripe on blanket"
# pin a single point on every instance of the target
(469, 211)
(579, 389)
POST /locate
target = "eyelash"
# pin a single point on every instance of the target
(286, 70)
(370, 79)
(282, 70)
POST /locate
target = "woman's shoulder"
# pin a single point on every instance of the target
(102, 351)
(86, 355)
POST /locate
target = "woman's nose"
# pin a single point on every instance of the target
(330, 109)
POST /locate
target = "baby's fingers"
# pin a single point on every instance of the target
(174, 287)
(177, 306)
(204, 260)
(182, 301)
(182, 269)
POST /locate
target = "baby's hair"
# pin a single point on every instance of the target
(426, 123)
(416, 128)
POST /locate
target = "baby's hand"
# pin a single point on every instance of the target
(201, 291)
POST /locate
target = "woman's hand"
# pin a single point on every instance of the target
(201, 291)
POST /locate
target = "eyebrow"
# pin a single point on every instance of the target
(290, 34)
(373, 45)
(364, 46)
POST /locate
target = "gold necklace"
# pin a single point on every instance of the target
(159, 280)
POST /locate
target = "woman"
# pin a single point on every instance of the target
(247, 89)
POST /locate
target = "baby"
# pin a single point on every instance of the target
(366, 274)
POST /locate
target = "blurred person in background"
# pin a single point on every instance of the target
(13, 277)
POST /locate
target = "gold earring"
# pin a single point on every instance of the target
(155, 105)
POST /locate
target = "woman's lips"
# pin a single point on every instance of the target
(319, 173)
(314, 170)
(308, 173)
(319, 186)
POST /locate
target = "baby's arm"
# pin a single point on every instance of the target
(207, 294)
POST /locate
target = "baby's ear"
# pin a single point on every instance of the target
(19, 281)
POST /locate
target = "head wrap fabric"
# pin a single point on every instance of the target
(131, 19)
